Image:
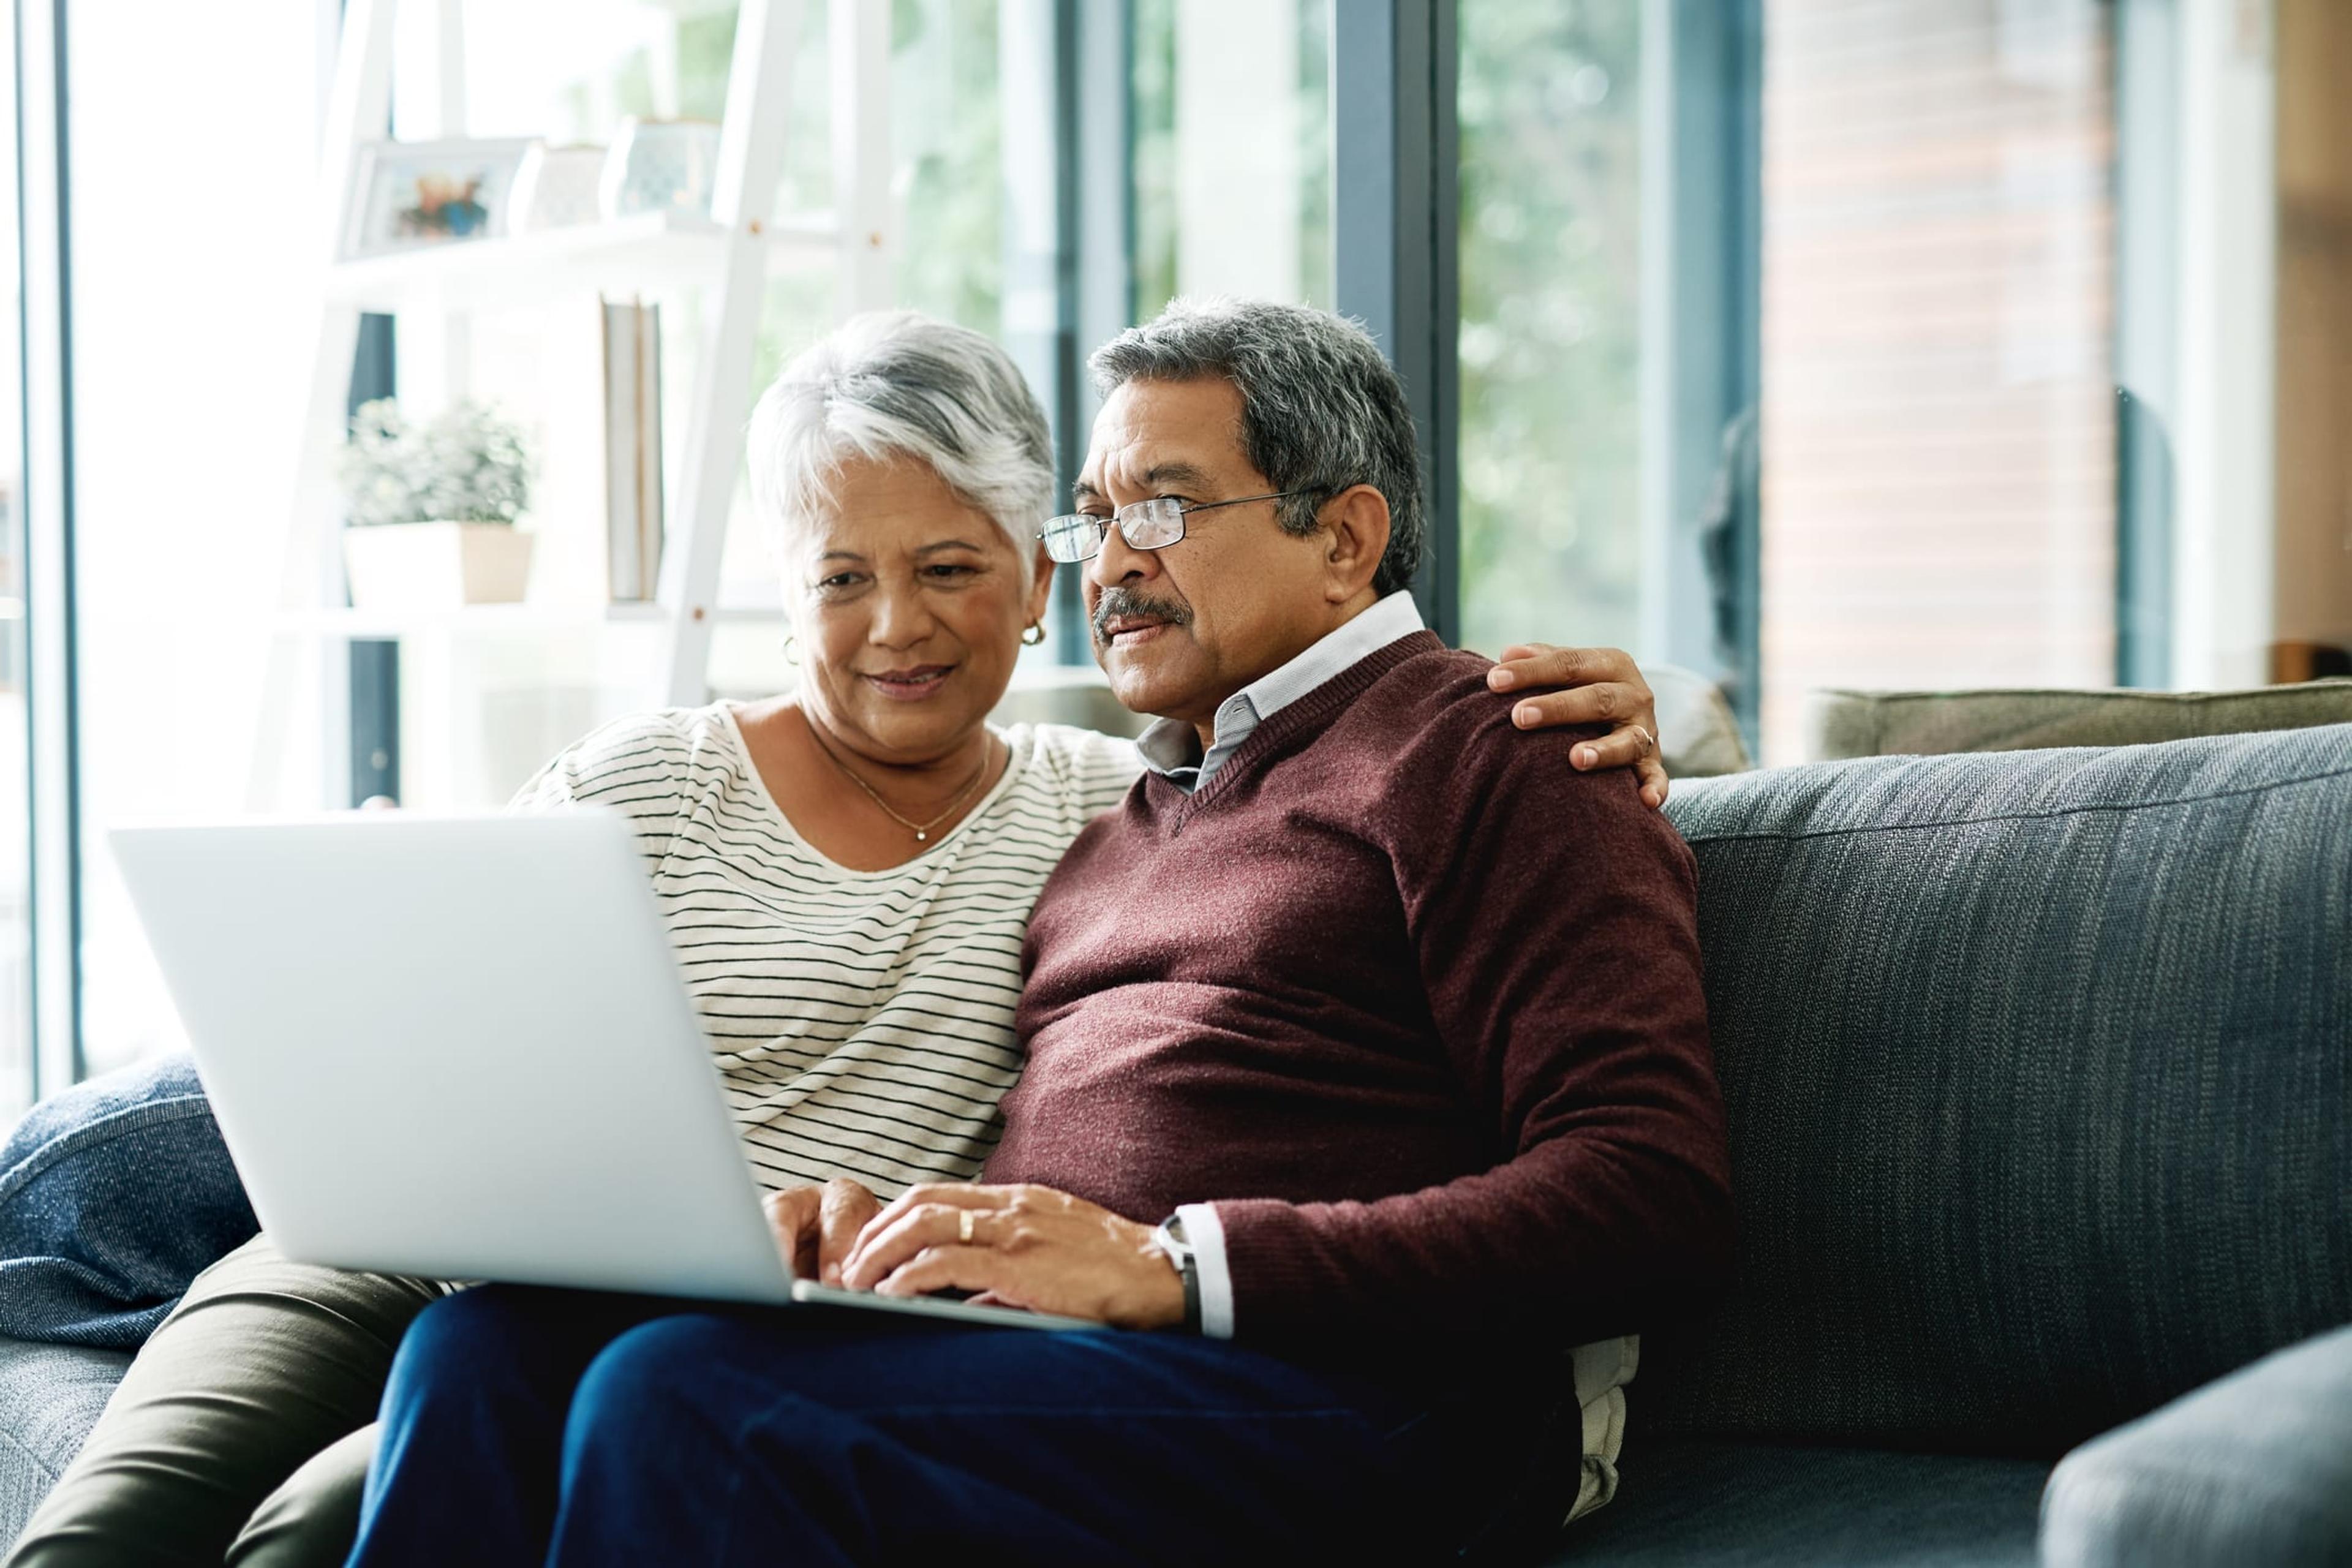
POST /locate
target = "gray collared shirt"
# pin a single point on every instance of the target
(1171, 748)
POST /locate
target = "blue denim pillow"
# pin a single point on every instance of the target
(113, 1195)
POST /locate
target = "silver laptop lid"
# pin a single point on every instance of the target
(455, 1047)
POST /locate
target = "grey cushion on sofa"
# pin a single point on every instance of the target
(1698, 737)
(2254, 1469)
(2036, 1068)
(50, 1396)
(1843, 724)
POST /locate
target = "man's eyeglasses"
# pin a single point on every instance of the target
(1152, 525)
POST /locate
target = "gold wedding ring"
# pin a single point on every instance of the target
(963, 1227)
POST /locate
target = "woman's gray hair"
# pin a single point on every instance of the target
(898, 384)
(1321, 408)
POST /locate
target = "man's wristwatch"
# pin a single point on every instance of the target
(1169, 1239)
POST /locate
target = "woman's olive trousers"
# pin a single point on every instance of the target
(242, 1431)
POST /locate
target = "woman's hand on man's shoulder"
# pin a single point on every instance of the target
(1588, 686)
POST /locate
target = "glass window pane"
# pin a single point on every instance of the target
(191, 705)
(948, 172)
(947, 151)
(1939, 478)
(1233, 163)
(190, 365)
(1550, 277)
(1935, 449)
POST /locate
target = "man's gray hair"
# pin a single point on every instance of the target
(897, 383)
(1321, 408)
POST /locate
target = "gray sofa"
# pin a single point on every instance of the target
(2039, 1067)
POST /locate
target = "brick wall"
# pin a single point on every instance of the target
(1938, 442)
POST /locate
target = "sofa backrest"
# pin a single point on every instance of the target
(2038, 1072)
(1845, 723)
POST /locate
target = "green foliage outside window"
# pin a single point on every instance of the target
(1157, 215)
(1550, 274)
(945, 130)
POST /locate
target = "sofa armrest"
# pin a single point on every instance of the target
(50, 1396)
(2253, 1467)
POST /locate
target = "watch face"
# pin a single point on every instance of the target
(1170, 1239)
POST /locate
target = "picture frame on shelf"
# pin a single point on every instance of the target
(660, 166)
(410, 195)
(556, 187)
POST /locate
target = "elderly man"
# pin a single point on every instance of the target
(1368, 1071)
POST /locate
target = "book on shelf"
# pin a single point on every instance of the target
(633, 447)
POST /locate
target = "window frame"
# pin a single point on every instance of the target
(1395, 221)
(53, 826)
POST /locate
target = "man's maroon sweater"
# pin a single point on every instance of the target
(1415, 1004)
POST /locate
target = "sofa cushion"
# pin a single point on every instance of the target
(50, 1396)
(1700, 1504)
(1698, 737)
(2254, 1469)
(2035, 1066)
(1842, 723)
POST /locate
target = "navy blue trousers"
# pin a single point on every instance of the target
(529, 1425)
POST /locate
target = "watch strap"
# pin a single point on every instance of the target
(1169, 1238)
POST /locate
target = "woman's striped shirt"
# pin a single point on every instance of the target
(862, 1020)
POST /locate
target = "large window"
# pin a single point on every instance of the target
(1789, 340)
(1866, 439)
(194, 157)
(201, 694)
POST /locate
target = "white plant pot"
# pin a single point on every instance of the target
(436, 566)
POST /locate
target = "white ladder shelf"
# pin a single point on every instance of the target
(724, 255)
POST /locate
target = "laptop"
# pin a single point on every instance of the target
(459, 1046)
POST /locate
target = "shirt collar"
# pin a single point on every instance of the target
(1171, 748)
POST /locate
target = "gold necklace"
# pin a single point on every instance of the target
(921, 830)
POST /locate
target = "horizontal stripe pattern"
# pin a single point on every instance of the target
(862, 1021)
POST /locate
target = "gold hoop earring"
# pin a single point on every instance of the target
(1034, 634)
(792, 655)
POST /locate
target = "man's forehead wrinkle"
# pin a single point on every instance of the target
(1175, 473)
(1146, 449)
(1124, 464)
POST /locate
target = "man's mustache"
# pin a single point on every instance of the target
(1121, 603)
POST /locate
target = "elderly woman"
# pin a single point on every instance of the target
(848, 873)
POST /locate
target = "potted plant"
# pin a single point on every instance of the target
(431, 509)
